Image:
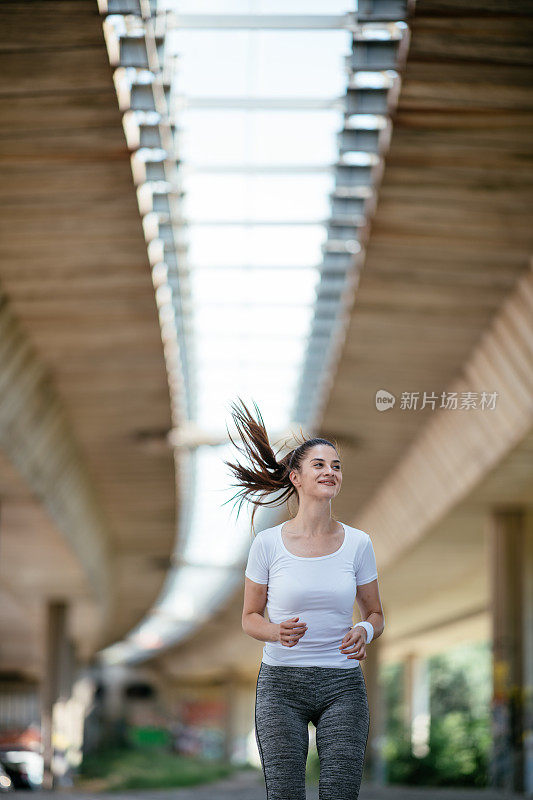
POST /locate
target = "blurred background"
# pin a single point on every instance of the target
(323, 207)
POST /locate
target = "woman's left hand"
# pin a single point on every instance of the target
(354, 642)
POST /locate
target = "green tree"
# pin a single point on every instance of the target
(459, 738)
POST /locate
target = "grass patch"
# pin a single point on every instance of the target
(116, 769)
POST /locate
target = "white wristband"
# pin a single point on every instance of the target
(369, 628)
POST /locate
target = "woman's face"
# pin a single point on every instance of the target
(320, 473)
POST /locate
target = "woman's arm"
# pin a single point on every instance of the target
(288, 632)
(369, 603)
(354, 642)
(253, 619)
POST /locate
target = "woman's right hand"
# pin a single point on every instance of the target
(291, 631)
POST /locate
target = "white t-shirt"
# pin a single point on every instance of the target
(320, 590)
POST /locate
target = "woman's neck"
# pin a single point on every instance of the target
(312, 523)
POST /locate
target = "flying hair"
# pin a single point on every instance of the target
(264, 474)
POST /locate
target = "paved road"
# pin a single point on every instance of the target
(251, 786)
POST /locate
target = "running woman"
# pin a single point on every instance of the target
(307, 572)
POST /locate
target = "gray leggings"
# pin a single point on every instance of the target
(335, 701)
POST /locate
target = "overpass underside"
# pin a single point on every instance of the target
(87, 488)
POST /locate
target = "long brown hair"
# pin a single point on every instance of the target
(265, 474)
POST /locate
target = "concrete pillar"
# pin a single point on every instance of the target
(528, 655)
(375, 766)
(239, 721)
(407, 679)
(417, 703)
(113, 679)
(244, 722)
(230, 697)
(54, 680)
(510, 536)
